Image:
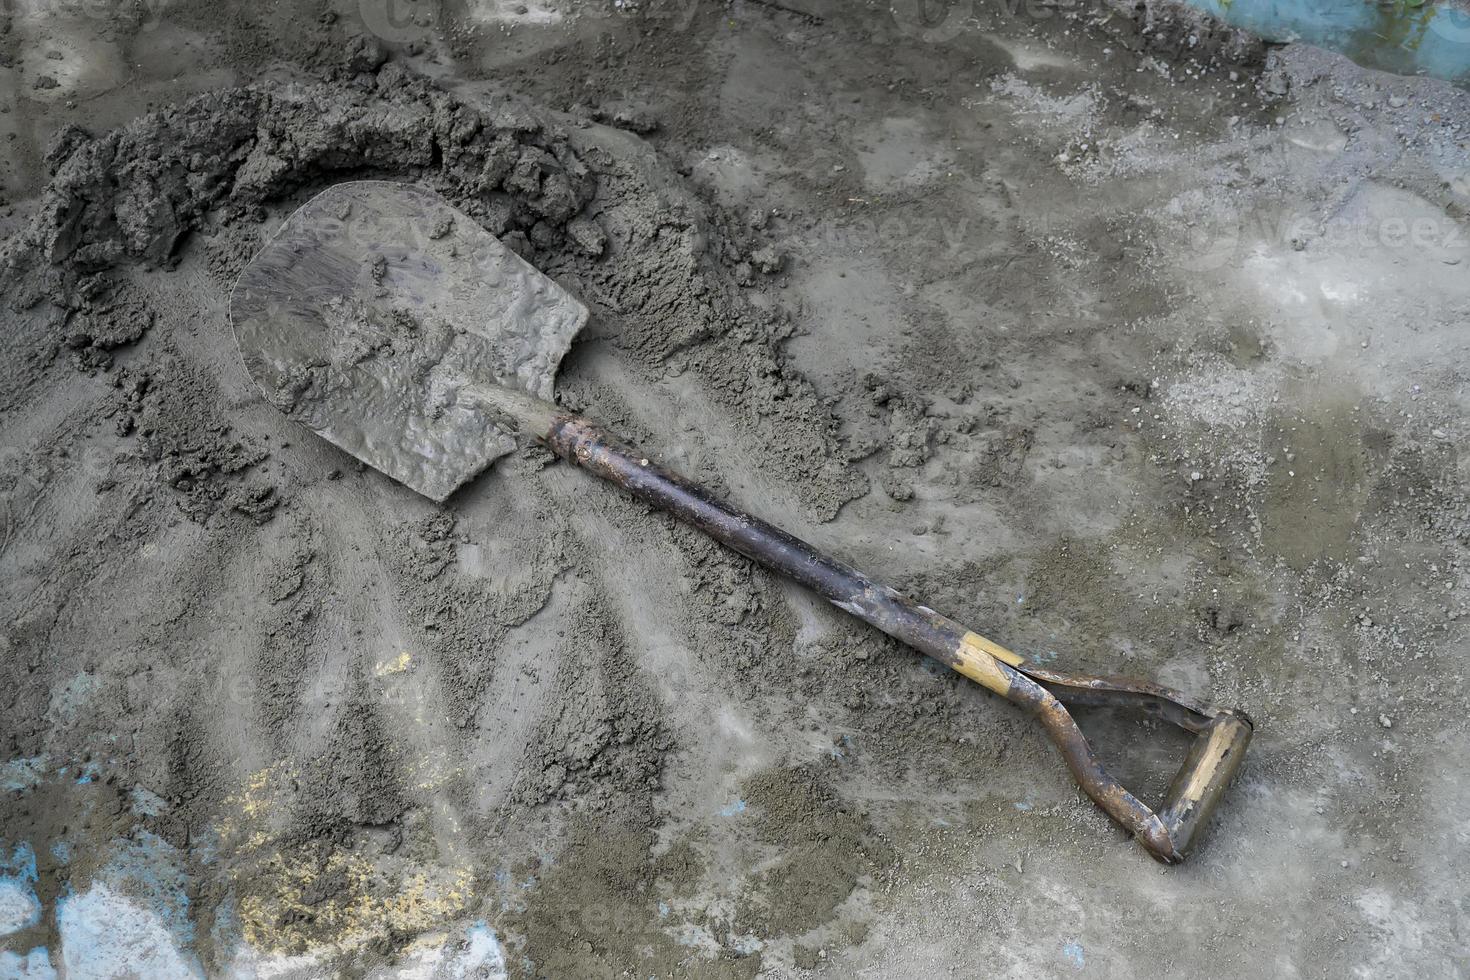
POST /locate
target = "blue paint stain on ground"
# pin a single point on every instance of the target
(151, 870)
(1074, 954)
(484, 955)
(142, 891)
(35, 965)
(143, 873)
(105, 933)
(480, 932)
(737, 807)
(20, 863)
(19, 905)
(88, 772)
(1423, 38)
(20, 774)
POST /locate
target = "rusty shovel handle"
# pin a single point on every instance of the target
(1221, 734)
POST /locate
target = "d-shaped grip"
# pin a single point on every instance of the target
(1221, 736)
(1213, 760)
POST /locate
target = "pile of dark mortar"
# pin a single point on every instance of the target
(590, 207)
(131, 197)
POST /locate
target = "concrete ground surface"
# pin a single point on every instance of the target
(1122, 338)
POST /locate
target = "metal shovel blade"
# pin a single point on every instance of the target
(372, 309)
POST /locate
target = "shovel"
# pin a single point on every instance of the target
(397, 328)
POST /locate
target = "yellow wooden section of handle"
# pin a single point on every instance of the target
(1210, 758)
(977, 659)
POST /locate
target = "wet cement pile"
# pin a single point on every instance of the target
(116, 289)
(257, 702)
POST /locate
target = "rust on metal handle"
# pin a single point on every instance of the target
(1221, 735)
